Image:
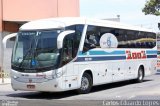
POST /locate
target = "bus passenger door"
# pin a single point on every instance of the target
(68, 64)
(70, 79)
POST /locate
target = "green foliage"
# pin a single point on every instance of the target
(152, 7)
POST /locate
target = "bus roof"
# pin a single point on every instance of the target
(52, 23)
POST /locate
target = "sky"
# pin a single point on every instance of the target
(130, 12)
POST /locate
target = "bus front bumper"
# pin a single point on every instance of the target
(53, 85)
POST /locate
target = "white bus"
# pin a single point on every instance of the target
(63, 54)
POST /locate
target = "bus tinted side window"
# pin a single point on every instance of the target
(71, 44)
(126, 38)
(94, 33)
(67, 52)
(137, 39)
(131, 38)
(92, 38)
(76, 36)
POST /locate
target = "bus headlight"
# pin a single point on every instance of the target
(57, 75)
(15, 77)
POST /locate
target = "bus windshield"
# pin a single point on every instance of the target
(36, 51)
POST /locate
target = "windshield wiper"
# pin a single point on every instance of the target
(24, 57)
(32, 55)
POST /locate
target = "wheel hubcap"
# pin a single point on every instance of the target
(84, 83)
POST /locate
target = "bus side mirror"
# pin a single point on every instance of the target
(4, 41)
(61, 36)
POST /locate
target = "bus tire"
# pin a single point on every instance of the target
(86, 84)
(140, 75)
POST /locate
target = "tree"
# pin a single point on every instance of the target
(152, 7)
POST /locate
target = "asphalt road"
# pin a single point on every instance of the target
(127, 90)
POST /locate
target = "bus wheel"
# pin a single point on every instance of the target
(86, 84)
(140, 75)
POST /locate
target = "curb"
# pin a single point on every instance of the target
(4, 83)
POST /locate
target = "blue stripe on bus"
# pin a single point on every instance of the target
(103, 53)
(106, 58)
(151, 56)
(106, 53)
(148, 52)
(151, 52)
(102, 58)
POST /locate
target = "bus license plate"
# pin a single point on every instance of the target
(31, 86)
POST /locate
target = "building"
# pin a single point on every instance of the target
(14, 13)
